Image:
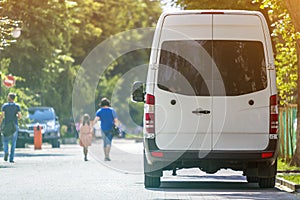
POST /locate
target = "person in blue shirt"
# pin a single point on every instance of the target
(11, 112)
(108, 118)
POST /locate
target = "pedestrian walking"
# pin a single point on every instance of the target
(108, 118)
(11, 112)
(85, 134)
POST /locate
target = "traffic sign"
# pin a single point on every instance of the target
(9, 81)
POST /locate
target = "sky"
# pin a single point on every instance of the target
(168, 6)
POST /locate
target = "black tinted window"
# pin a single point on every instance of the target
(217, 68)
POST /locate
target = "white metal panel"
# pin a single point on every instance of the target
(238, 27)
(242, 126)
(179, 27)
(177, 128)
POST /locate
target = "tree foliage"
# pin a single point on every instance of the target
(7, 26)
(216, 4)
(284, 37)
(42, 53)
(57, 35)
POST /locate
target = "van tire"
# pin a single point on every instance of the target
(252, 179)
(266, 182)
(151, 182)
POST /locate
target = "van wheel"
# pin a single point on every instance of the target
(151, 182)
(266, 182)
(252, 179)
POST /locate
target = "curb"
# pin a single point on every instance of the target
(290, 185)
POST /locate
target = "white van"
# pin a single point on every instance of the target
(210, 96)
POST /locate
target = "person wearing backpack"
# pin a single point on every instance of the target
(11, 112)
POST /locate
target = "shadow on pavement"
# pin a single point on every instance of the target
(37, 155)
(208, 185)
(228, 190)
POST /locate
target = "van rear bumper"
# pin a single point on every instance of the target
(234, 156)
(156, 154)
(251, 162)
(211, 161)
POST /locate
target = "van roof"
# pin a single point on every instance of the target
(227, 12)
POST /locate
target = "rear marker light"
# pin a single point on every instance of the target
(157, 154)
(267, 155)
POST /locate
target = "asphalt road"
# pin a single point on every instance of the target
(62, 174)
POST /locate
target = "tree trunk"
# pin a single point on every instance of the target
(293, 7)
(296, 158)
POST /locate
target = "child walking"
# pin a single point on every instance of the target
(85, 135)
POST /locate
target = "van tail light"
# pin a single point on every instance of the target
(149, 116)
(273, 126)
(273, 115)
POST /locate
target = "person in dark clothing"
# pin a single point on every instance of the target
(11, 112)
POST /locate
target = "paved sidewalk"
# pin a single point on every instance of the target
(62, 174)
(55, 174)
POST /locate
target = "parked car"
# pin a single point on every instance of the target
(46, 118)
(210, 96)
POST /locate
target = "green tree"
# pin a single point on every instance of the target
(7, 28)
(98, 20)
(216, 4)
(284, 37)
(113, 18)
(293, 7)
(42, 53)
(58, 35)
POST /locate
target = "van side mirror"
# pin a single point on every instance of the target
(138, 94)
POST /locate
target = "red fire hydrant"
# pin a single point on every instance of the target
(38, 138)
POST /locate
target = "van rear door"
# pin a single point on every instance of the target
(183, 118)
(240, 54)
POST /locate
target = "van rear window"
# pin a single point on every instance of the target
(212, 68)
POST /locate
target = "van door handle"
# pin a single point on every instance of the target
(201, 111)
